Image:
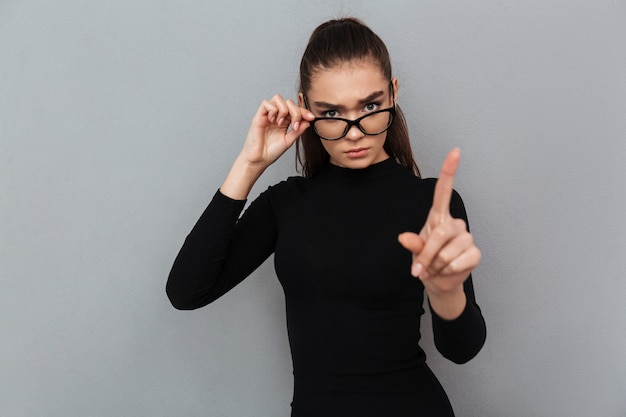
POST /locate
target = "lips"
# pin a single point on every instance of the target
(356, 152)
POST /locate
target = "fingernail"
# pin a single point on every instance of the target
(416, 270)
(296, 126)
(280, 121)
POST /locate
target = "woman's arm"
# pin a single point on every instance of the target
(460, 339)
(221, 250)
(444, 255)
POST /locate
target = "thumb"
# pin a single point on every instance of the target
(293, 134)
(411, 241)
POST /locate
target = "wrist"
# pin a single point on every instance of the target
(241, 179)
(447, 305)
(248, 169)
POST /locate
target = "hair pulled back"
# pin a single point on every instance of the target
(334, 43)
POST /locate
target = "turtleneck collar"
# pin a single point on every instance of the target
(373, 171)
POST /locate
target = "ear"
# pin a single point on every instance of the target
(394, 84)
(301, 99)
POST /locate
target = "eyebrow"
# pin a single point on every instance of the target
(366, 100)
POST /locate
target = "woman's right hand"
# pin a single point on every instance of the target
(274, 129)
(269, 137)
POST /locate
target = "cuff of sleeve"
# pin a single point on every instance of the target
(462, 338)
(219, 195)
(466, 317)
(223, 203)
(221, 207)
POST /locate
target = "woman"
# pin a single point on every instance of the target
(340, 235)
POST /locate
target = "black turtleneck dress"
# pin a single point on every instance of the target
(353, 308)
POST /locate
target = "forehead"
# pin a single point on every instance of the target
(347, 83)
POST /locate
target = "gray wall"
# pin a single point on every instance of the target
(119, 120)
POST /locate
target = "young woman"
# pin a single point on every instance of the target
(350, 237)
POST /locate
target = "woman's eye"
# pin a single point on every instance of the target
(372, 107)
(330, 113)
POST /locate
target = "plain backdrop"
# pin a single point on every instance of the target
(119, 120)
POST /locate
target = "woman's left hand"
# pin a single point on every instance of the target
(444, 253)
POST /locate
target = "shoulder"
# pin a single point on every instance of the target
(287, 186)
(277, 198)
(457, 207)
(285, 191)
(419, 193)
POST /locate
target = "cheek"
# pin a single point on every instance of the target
(379, 141)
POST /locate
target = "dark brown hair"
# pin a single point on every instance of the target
(337, 42)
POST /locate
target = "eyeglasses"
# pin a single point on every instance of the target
(335, 128)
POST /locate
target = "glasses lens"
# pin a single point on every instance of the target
(330, 129)
(376, 123)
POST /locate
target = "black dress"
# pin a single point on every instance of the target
(353, 309)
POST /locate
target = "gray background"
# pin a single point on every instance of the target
(119, 120)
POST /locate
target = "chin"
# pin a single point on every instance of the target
(355, 163)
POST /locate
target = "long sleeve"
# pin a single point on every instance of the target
(221, 251)
(461, 339)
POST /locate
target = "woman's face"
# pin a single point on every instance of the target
(351, 91)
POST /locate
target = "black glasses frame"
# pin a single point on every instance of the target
(356, 122)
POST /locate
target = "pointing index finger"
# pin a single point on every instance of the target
(445, 183)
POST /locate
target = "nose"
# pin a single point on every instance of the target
(354, 133)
